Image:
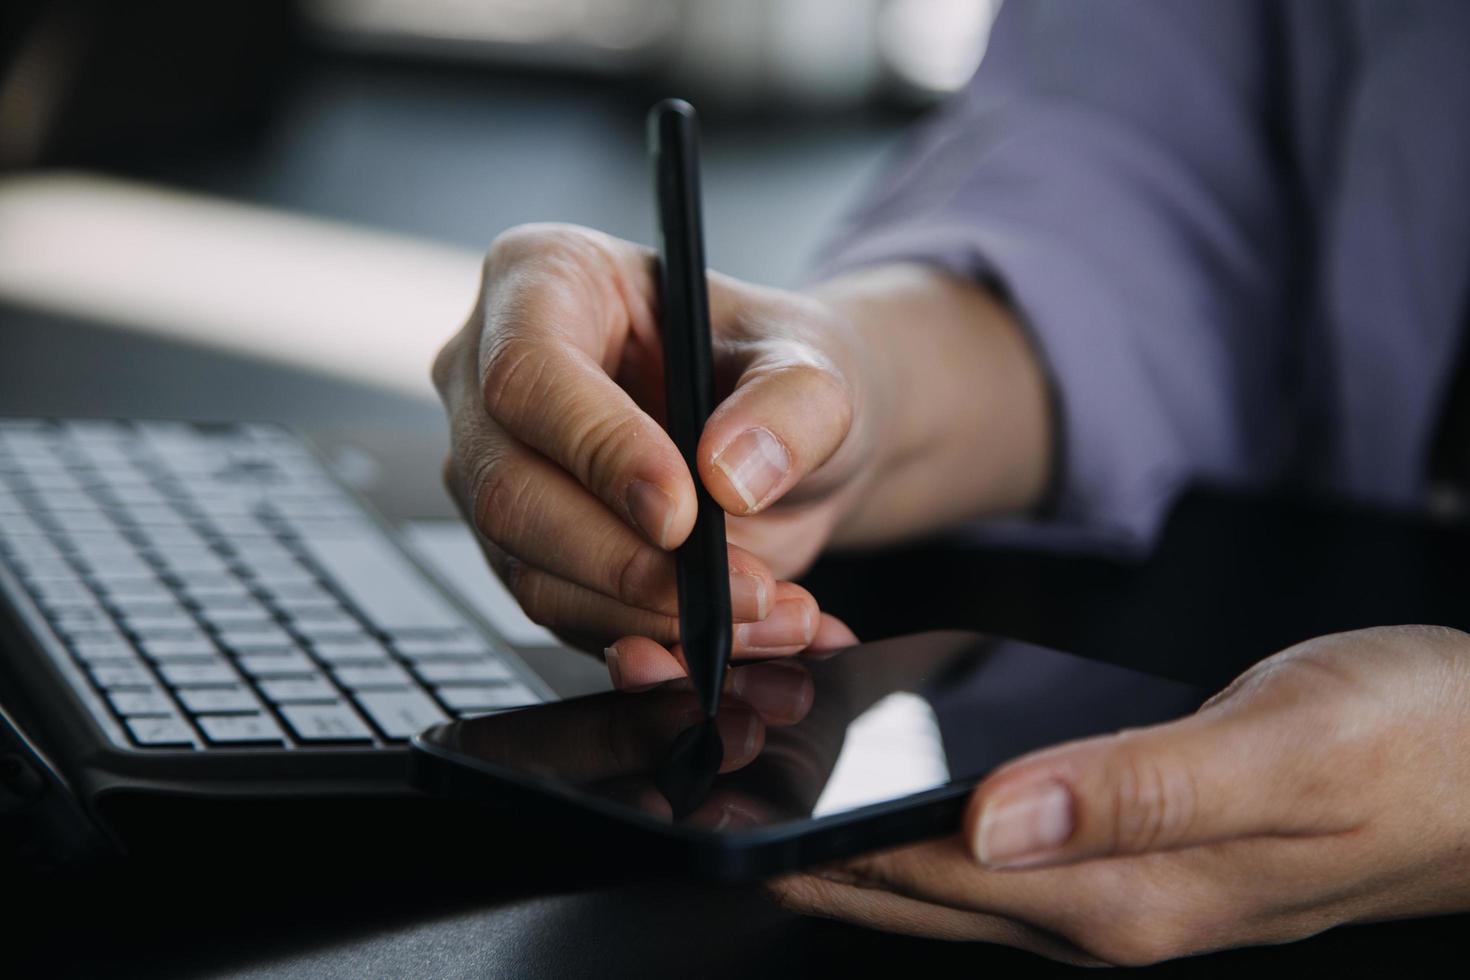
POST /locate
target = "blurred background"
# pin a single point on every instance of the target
(276, 209)
(312, 182)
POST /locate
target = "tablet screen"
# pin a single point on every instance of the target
(803, 739)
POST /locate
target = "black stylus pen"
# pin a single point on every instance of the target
(703, 569)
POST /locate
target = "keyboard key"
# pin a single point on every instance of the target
(384, 586)
(110, 676)
(296, 689)
(103, 650)
(325, 723)
(400, 714)
(34, 570)
(83, 521)
(143, 587)
(201, 699)
(103, 544)
(350, 652)
(76, 619)
(285, 592)
(277, 574)
(373, 676)
(487, 697)
(108, 566)
(171, 537)
(142, 606)
(80, 608)
(184, 674)
(146, 509)
(220, 506)
(455, 672)
(62, 592)
(243, 620)
(37, 549)
(342, 629)
(210, 606)
(241, 529)
(49, 479)
(285, 663)
(307, 609)
(185, 563)
(69, 502)
(19, 526)
(130, 487)
(96, 631)
(164, 648)
(144, 701)
(257, 640)
(239, 729)
(157, 633)
(261, 551)
(179, 624)
(160, 731)
(212, 586)
(456, 645)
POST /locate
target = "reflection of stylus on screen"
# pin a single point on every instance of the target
(703, 572)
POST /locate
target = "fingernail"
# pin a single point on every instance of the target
(778, 690)
(1025, 826)
(740, 732)
(610, 654)
(754, 462)
(749, 597)
(651, 509)
(788, 625)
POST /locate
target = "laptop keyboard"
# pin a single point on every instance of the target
(216, 589)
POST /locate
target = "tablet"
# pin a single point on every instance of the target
(869, 747)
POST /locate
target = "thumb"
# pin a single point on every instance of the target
(787, 415)
(1215, 776)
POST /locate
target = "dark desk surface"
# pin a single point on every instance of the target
(1233, 580)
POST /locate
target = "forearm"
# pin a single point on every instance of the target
(959, 403)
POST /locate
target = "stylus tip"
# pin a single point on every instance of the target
(689, 770)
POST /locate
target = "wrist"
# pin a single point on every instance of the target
(957, 410)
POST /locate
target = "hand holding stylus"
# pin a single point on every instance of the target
(555, 395)
(837, 422)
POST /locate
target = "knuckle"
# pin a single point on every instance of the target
(602, 445)
(501, 497)
(1154, 803)
(510, 569)
(548, 255)
(523, 241)
(835, 396)
(1143, 939)
(530, 590)
(512, 376)
(1129, 950)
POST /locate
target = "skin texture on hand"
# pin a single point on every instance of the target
(876, 407)
(1329, 784)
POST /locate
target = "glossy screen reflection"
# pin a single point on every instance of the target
(862, 728)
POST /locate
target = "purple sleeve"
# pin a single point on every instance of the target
(1113, 171)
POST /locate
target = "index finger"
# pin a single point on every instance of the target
(563, 308)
